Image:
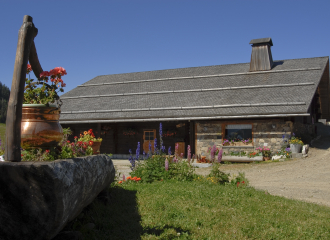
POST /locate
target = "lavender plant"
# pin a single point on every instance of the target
(169, 151)
(155, 146)
(160, 136)
(189, 154)
(149, 152)
(131, 159)
(220, 155)
(138, 151)
(213, 150)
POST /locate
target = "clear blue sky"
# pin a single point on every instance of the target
(91, 38)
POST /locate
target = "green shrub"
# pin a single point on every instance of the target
(218, 175)
(153, 169)
(240, 180)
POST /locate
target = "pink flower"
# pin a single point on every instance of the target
(28, 68)
(44, 74)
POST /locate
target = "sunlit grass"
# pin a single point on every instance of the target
(201, 210)
(2, 133)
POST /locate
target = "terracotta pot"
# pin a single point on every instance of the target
(96, 147)
(40, 126)
(266, 158)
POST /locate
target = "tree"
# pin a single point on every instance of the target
(4, 98)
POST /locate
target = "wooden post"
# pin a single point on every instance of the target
(26, 34)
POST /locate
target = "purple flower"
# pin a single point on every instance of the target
(288, 149)
(161, 136)
(189, 154)
(213, 150)
(293, 134)
(124, 178)
(131, 160)
(155, 146)
(149, 153)
(138, 151)
(144, 155)
(220, 155)
(169, 151)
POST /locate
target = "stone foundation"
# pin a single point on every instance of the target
(265, 133)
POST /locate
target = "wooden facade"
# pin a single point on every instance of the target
(116, 142)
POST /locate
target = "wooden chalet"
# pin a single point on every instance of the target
(263, 100)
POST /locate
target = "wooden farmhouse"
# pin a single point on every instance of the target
(262, 100)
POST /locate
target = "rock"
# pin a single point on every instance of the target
(90, 226)
(37, 199)
(276, 157)
(69, 235)
(305, 149)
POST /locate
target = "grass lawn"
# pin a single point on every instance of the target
(200, 210)
(2, 134)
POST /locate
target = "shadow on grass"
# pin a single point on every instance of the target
(117, 217)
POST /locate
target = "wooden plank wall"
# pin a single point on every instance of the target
(114, 141)
(324, 92)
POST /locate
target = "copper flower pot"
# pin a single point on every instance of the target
(40, 126)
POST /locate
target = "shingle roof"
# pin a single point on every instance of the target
(221, 91)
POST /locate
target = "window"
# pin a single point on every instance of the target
(238, 132)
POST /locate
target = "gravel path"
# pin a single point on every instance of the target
(306, 179)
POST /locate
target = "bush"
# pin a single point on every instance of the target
(153, 169)
(217, 175)
(240, 180)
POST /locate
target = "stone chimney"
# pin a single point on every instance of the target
(261, 56)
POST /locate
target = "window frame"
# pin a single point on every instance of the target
(223, 131)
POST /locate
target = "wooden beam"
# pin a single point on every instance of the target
(26, 34)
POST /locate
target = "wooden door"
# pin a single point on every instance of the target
(149, 137)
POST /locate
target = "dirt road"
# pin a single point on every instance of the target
(306, 179)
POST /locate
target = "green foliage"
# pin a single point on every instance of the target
(4, 98)
(2, 138)
(217, 175)
(153, 169)
(44, 93)
(240, 179)
(39, 154)
(283, 152)
(65, 150)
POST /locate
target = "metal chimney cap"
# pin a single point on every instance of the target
(261, 41)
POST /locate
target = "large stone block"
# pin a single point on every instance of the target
(37, 199)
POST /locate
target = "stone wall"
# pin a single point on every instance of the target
(207, 134)
(265, 133)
